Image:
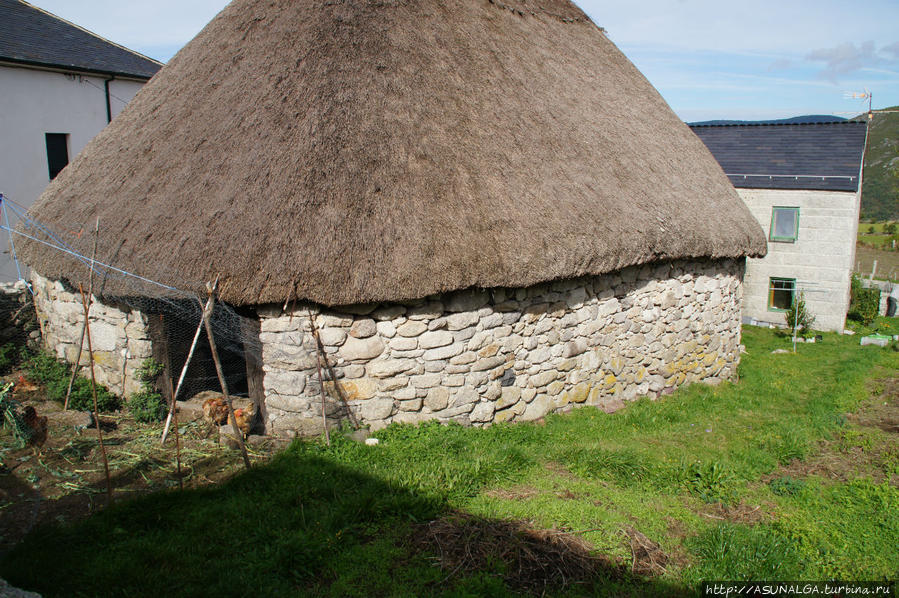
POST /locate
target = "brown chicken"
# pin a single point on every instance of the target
(215, 411)
(25, 385)
(38, 426)
(244, 418)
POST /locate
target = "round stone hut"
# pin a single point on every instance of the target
(482, 207)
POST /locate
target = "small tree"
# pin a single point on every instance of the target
(871, 230)
(890, 228)
(799, 316)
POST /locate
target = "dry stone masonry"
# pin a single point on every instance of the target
(481, 357)
(119, 335)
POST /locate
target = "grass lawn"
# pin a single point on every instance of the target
(790, 474)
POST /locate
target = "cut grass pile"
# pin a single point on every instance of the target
(688, 488)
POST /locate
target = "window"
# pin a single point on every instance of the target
(57, 152)
(780, 293)
(784, 224)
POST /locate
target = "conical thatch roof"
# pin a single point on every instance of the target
(366, 150)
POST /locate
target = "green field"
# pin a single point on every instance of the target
(789, 474)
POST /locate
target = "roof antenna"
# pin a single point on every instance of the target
(864, 95)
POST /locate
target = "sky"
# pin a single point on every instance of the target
(710, 59)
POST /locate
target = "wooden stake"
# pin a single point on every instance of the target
(86, 302)
(174, 413)
(207, 315)
(65, 405)
(190, 355)
(330, 370)
(321, 380)
(90, 290)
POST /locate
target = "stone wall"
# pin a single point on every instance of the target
(479, 357)
(119, 335)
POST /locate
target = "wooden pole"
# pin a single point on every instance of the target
(174, 413)
(190, 355)
(207, 315)
(86, 302)
(321, 380)
(90, 290)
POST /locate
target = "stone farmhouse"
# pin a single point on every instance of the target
(61, 85)
(483, 208)
(802, 182)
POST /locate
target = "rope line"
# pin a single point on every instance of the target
(86, 260)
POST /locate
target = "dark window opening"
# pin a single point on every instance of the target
(180, 324)
(780, 293)
(57, 152)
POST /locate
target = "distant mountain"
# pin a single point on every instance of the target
(794, 120)
(880, 188)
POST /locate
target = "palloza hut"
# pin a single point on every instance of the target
(488, 210)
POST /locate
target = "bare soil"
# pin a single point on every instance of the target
(64, 480)
(868, 445)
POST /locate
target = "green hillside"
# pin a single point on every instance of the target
(880, 191)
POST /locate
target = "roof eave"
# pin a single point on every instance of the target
(70, 69)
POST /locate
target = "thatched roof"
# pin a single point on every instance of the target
(355, 151)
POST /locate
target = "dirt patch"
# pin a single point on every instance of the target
(648, 558)
(741, 513)
(560, 470)
(514, 493)
(535, 560)
(64, 480)
(867, 446)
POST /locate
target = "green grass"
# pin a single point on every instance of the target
(343, 521)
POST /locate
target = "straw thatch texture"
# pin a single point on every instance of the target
(354, 151)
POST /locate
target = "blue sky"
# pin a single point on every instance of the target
(709, 59)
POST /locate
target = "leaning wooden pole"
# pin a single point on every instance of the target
(90, 290)
(321, 380)
(86, 302)
(190, 356)
(174, 412)
(207, 317)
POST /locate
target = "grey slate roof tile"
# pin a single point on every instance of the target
(29, 35)
(783, 152)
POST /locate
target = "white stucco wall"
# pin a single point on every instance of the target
(35, 102)
(820, 260)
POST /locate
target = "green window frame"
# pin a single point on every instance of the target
(781, 294)
(781, 231)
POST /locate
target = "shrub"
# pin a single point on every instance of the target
(799, 316)
(9, 358)
(864, 304)
(54, 375)
(147, 405)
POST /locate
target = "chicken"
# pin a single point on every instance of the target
(37, 424)
(215, 411)
(25, 385)
(245, 419)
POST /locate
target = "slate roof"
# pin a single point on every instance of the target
(825, 156)
(29, 35)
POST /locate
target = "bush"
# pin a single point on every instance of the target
(9, 358)
(798, 316)
(864, 304)
(147, 405)
(54, 375)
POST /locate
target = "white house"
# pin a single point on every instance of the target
(59, 86)
(801, 182)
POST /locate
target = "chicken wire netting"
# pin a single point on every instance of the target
(172, 311)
